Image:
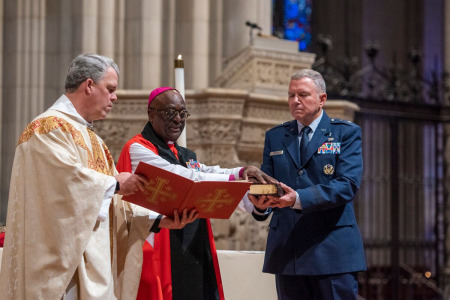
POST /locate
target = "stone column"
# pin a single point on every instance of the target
(192, 38)
(152, 38)
(119, 43)
(106, 30)
(236, 13)
(142, 63)
(23, 59)
(89, 26)
(216, 40)
(168, 53)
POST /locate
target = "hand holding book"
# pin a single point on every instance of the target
(262, 187)
(286, 200)
(179, 220)
(272, 195)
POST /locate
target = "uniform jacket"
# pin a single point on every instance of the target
(323, 237)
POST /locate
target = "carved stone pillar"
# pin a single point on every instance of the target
(88, 16)
(152, 25)
(143, 43)
(169, 51)
(106, 29)
(216, 41)
(236, 13)
(192, 40)
(23, 87)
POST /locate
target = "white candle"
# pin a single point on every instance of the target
(179, 85)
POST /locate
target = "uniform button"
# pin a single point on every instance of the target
(300, 172)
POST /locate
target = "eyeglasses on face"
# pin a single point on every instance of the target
(171, 113)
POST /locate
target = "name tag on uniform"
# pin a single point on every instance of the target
(279, 152)
(329, 148)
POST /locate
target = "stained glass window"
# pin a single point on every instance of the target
(292, 21)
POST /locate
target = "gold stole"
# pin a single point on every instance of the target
(105, 167)
(96, 158)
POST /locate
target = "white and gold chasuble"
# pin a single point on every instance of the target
(60, 175)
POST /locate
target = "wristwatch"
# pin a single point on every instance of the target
(117, 187)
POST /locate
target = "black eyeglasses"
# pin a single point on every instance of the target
(171, 113)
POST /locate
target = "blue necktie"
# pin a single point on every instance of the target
(304, 143)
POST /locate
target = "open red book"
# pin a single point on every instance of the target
(168, 191)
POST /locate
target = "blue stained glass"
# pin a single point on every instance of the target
(297, 22)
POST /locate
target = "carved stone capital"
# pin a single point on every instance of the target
(262, 70)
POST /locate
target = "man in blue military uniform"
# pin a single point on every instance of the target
(314, 246)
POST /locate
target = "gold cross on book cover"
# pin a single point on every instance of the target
(168, 191)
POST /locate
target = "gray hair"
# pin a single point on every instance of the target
(315, 76)
(86, 66)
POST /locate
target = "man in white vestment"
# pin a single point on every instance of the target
(68, 236)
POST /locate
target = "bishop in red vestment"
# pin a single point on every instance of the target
(178, 263)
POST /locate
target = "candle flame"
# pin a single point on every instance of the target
(178, 62)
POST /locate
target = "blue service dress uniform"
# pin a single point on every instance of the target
(322, 238)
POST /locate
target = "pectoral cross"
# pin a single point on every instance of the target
(154, 192)
(220, 197)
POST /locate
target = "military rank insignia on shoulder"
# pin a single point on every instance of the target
(284, 124)
(341, 121)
